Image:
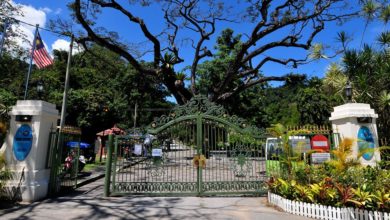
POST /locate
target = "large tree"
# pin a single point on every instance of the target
(274, 24)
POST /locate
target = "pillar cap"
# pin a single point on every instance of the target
(352, 110)
(33, 107)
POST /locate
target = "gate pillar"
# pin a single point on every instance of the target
(358, 121)
(26, 148)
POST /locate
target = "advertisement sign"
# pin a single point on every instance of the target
(22, 142)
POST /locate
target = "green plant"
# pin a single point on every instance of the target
(168, 60)
(303, 193)
(323, 193)
(362, 198)
(381, 199)
(180, 76)
(345, 194)
(5, 175)
(341, 156)
(3, 132)
(272, 184)
(287, 157)
(285, 188)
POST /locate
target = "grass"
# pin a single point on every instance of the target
(91, 166)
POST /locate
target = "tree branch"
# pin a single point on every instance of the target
(249, 84)
(156, 44)
(104, 43)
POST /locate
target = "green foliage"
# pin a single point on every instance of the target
(303, 194)
(329, 191)
(245, 138)
(345, 194)
(5, 175)
(288, 156)
(313, 106)
(369, 72)
(382, 200)
(3, 132)
(342, 156)
(362, 198)
(103, 90)
(340, 182)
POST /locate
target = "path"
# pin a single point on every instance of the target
(88, 203)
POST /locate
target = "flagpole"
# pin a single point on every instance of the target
(31, 59)
(65, 96)
(4, 36)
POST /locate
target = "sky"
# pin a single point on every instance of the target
(41, 11)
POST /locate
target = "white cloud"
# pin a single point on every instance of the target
(46, 10)
(32, 16)
(62, 44)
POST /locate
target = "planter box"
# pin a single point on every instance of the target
(324, 212)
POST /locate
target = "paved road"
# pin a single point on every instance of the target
(88, 203)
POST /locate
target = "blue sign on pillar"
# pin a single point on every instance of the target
(22, 142)
(365, 142)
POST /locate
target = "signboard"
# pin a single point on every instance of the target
(137, 149)
(157, 152)
(22, 142)
(366, 141)
(320, 143)
(300, 144)
(319, 157)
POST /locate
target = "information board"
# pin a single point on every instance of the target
(319, 157)
(157, 152)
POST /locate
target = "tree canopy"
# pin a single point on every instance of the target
(103, 91)
(274, 24)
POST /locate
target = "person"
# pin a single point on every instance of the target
(147, 143)
(68, 165)
(82, 162)
(68, 162)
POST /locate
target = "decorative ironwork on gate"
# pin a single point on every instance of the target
(197, 149)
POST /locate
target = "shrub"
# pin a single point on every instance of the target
(340, 182)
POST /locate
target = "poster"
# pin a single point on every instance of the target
(137, 149)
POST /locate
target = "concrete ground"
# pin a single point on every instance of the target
(88, 203)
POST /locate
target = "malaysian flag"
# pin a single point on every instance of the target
(41, 58)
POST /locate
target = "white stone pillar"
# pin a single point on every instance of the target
(30, 125)
(357, 121)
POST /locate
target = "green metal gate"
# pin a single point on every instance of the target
(196, 150)
(63, 161)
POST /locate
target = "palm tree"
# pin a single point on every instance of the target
(335, 80)
(385, 14)
(369, 9)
